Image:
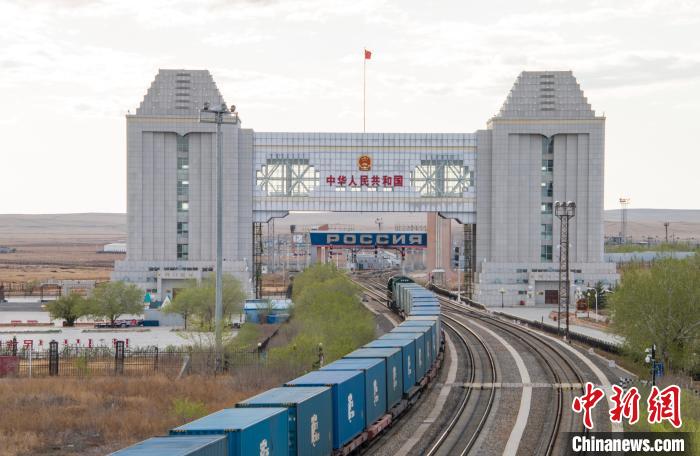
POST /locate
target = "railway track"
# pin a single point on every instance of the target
(467, 439)
(559, 369)
(462, 430)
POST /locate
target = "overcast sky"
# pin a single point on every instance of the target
(70, 70)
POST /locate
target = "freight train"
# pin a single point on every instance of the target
(331, 411)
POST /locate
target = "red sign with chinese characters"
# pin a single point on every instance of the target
(365, 180)
(662, 405)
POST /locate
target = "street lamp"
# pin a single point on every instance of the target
(503, 292)
(219, 116)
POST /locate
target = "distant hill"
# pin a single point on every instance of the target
(20, 227)
(655, 215)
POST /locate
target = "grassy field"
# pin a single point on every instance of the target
(94, 416)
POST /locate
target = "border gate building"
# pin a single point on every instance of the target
(545, 144)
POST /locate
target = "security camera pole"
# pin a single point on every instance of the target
(219, 116)
(565, 212)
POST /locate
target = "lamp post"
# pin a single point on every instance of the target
(218, 116)
(564, 211)
(503, 292)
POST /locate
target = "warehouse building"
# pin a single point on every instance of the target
(545, 144)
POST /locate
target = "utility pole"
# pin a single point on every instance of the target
(666, 224)
(624, 202)
(218, 116)
(565, 212)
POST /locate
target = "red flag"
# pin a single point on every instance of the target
(368, 54)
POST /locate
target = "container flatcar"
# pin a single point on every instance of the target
(310, 411)
(348, 390)
(185, 445)
(374, 371)
(258, 431)
(394, 371)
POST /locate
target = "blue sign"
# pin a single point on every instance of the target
(410, 239)
(659, 369)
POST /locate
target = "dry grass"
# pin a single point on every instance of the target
(94, 416)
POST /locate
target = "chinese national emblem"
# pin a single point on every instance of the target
(364, 163)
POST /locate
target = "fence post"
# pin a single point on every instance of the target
(155, 361)
(31, 349)
(119, 357)
(14, 346)
(53, 358)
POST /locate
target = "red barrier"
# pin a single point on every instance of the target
(9, 365)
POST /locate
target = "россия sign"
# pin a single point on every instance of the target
(386, 240)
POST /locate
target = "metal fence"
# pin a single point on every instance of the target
(73, 361)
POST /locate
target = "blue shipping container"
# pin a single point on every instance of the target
(374, 371)
(432, 318)
(419, 344)
(185, 445)
(310, 426)
(408, 358)
(433, 338)
(258, 431)
(393, 363)
(427, 333)
(348, 389)
(426, 311)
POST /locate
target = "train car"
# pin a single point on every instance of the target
(393, 363)
(310, 410)
(408, 358)
(419, 348)
(374, 372)
(348, 390)
(185, 445)
(427, 331)
(253, 431)
(434, 334)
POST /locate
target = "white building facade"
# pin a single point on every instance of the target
(546, 144)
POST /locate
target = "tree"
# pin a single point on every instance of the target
(200, 300)
(186, 302)
(30, 286)
(113, 299)
(601, 290)
(69, 308)
(660, 305)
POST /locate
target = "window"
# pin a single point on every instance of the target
(546, 208)
(183, 188)
(547, 166)
(546, 253)
(287, 177)
(547, 189)
(183, 163)
(182, 250)
(546, 231)
(441, 178)
(184, 206)
(182, 228)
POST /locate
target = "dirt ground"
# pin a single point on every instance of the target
(95, 416)
(59, 246)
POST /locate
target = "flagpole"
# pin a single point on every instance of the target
(364, 91)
